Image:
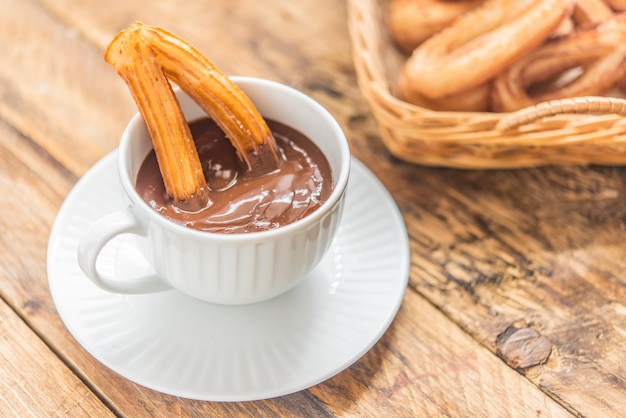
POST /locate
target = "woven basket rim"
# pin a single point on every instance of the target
(578, 130)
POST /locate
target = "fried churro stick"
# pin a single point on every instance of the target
(146, 57)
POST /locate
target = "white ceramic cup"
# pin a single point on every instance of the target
(224, 268)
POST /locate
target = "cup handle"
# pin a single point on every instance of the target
(94, 240)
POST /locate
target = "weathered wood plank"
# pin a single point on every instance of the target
(304, 44)
(33, 381)
(538, 248)
(482, 251)
(423, 361)
(57, 89)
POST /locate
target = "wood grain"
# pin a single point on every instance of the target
(58, 90)
(540, 249)
(422, 361)
(53, 391)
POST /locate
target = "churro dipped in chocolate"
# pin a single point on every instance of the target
(147, 58)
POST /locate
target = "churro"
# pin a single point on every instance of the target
(147, 58)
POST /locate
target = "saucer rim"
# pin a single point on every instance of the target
(399, 284)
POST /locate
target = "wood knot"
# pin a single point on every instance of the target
(523, 348)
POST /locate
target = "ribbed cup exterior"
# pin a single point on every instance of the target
(240, 271)
(252, 267)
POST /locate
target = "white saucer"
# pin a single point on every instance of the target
(175, 344)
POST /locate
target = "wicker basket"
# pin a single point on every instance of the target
(586, 130)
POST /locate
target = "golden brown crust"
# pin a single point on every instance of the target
(591, 13)
(477, 99)
(599, 55)
(146, 57)
(137, 63)
(617, 5)
(413, 21)
(467, 54)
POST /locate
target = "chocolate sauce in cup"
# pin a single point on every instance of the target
(241, 201)
(228, 268)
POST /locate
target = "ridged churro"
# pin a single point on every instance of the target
(480, 44)
(147, 58)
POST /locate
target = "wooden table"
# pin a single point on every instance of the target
(516, 303)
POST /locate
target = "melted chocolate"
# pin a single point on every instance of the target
(240, 200)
